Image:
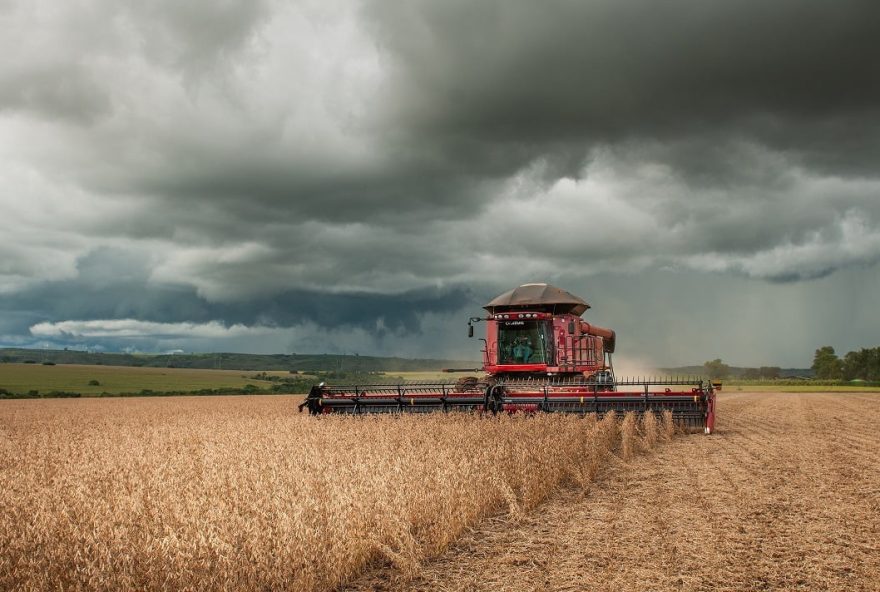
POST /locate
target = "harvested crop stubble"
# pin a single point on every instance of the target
(242, 493)
(784, 496)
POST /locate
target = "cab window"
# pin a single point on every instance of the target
(522, 342)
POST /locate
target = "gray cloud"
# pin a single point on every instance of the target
(57, 92)
(379, 169)
(112, 285)
(602, 72)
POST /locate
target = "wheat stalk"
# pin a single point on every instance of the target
(243, 494)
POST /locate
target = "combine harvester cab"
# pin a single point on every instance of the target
(539, 355)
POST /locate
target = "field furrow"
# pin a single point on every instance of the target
(786, 496)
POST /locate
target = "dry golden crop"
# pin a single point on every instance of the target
(244, 493)
(785, 495)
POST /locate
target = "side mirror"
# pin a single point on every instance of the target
(470, 330)
(571, 327)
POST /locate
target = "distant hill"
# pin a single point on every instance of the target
(235, 361)
(287, 362)
(737, 371)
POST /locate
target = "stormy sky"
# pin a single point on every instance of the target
(360, 177)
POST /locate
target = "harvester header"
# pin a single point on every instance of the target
(538, 355)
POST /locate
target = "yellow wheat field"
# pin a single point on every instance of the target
(246, 494)
(784, 496)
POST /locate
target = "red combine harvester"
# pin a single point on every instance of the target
(539, 355)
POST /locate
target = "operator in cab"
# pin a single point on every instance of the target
(522, 350)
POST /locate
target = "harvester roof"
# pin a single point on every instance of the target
(545, 297)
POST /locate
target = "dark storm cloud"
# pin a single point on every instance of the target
(285, 193)
(475, 94)
(194, 36)
(212, 168)
(53, 68)
(57, 92)
(794, 75)
(115, 285)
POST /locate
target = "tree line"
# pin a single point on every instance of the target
(855, 365)
(716, 369)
